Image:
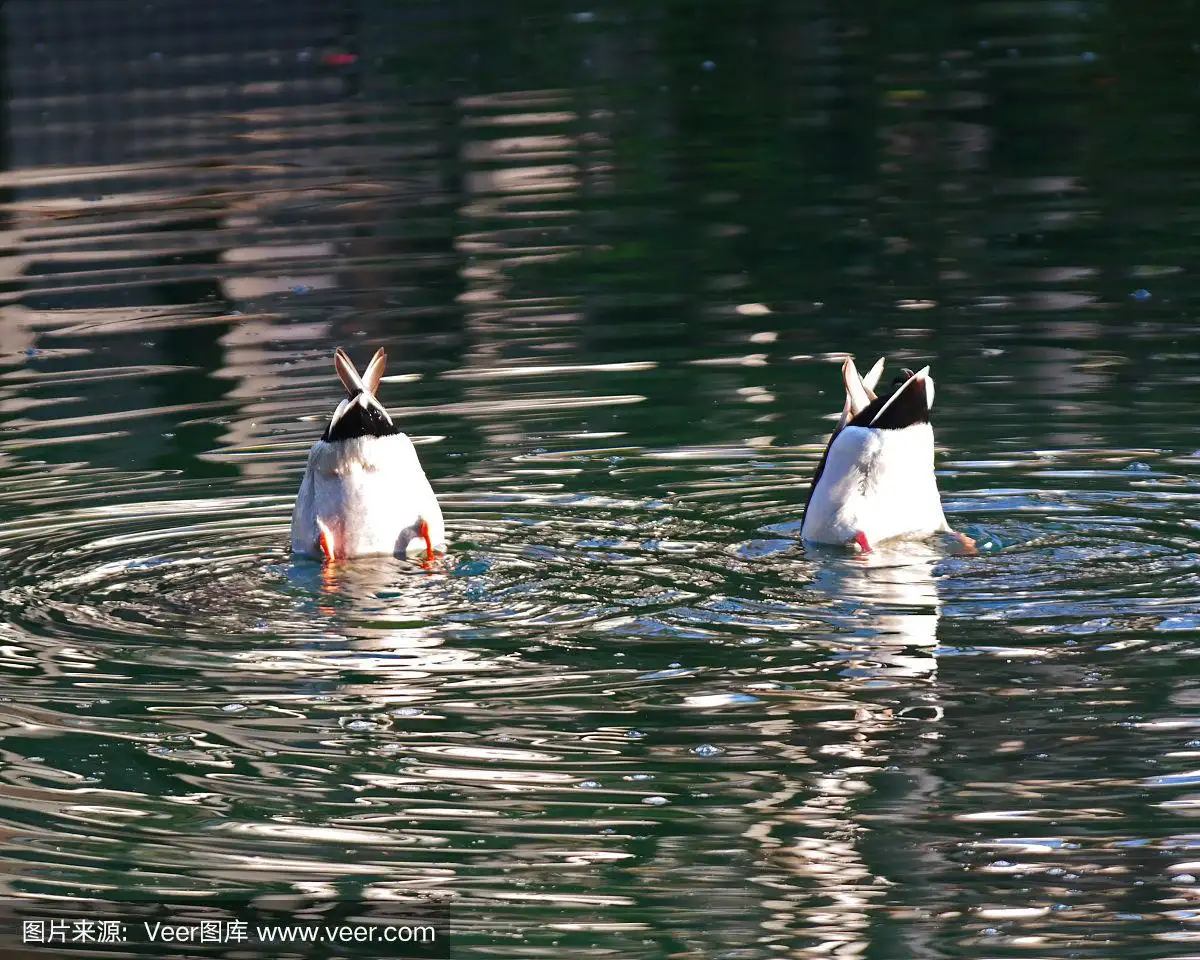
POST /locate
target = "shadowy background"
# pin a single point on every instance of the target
(633, 179)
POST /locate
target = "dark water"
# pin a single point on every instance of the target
(614, 253)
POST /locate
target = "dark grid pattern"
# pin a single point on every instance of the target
(119, 81)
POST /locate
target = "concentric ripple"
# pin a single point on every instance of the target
(627, 676)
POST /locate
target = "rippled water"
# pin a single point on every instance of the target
(630, 715)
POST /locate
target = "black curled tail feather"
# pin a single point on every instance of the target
(360, 419)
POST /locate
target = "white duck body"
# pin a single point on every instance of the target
(371, 495)
(364, 492)
(879, 483)
(876, 480)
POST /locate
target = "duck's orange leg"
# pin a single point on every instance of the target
(864, 544)
(967, 542)
(327, 541)
(430, 554)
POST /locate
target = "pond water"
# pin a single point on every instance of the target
(615, 254)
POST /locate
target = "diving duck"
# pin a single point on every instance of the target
(875, 481)
(364, 492)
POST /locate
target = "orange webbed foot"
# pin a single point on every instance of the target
(429, 561)
(327, 541)
(968, 544)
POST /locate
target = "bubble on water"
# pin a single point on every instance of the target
(234, 707)
(708, 66)
(359, 726)
(1087, 56)
(589, 784)
(707, 750)
(634, 734)
(583, 16)
(472, 568)
(1183, 878)
(1138, 467)
(1141, 293)
(665, 674)
(655, 801)
(638, 776)
(300, 289)
(407, 712)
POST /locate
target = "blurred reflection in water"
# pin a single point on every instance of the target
(896, 594)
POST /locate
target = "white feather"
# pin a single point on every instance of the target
(367, 495)
(371, 495)
(373, 375)
(858, 394)
(339, 412)
(876, 482)
(872, 377)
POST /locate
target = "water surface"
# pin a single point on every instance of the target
(615, 255)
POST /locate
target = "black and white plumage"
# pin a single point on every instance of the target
(876, 480)
(364, 492)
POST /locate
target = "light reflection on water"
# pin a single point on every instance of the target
(629, 714)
